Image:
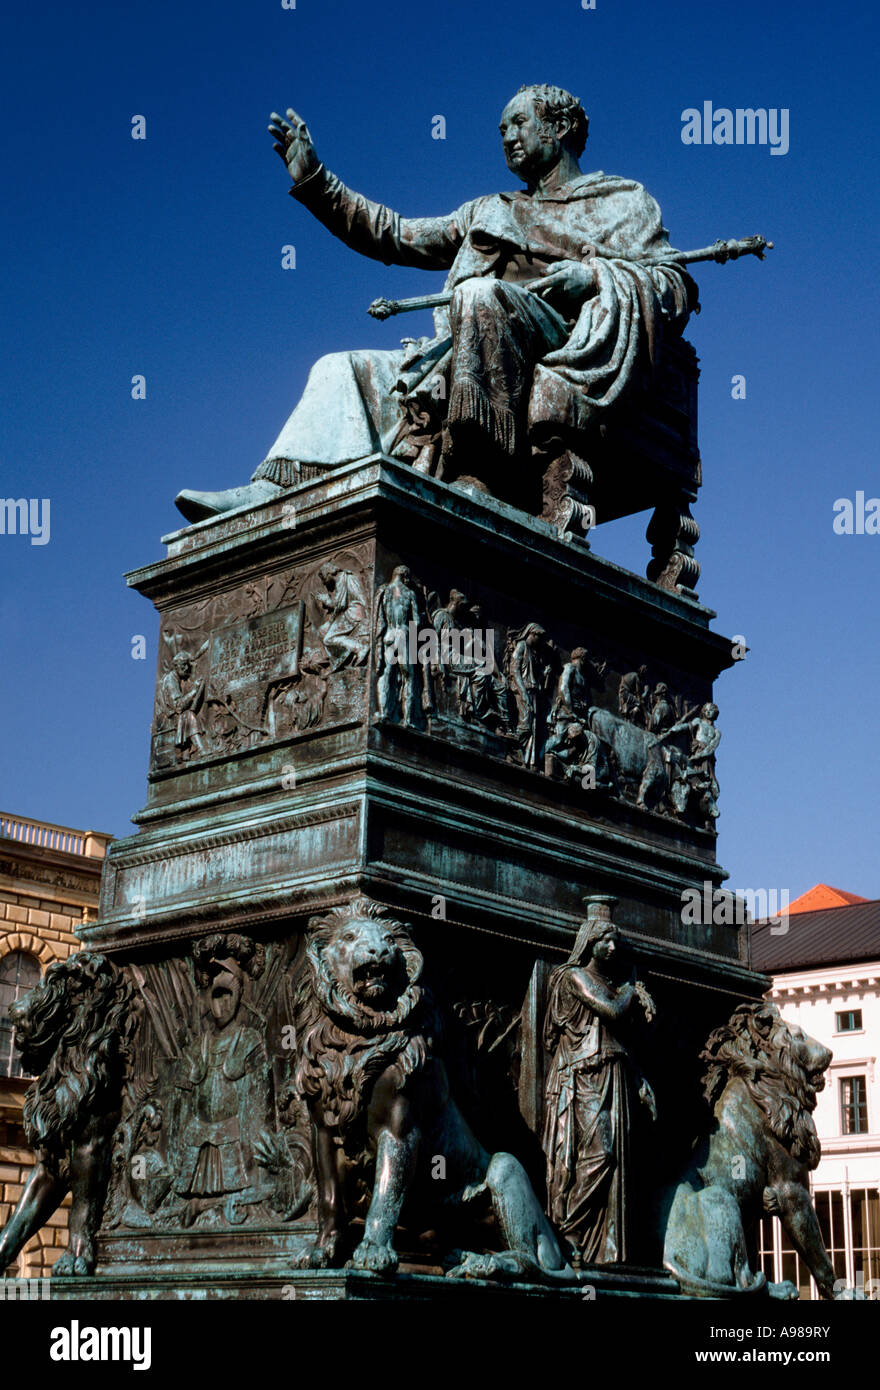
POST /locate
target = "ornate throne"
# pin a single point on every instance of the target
(644, 456)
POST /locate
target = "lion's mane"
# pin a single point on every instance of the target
(755, 1046)
(81, 1010)
(346, 1045)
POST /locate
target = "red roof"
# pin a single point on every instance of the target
(822, 896)
(825, 936)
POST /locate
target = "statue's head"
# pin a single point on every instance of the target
(183, 663)
(605, 943)
(598, 940)
(710, 712)
(225, 991)
(222, 961)
(401, 574)
(363, 959)
(537, 125)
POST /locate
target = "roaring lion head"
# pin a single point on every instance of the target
(72, 1030)
(363, 1009)
(782, 1068)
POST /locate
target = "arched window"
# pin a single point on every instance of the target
(19, 972)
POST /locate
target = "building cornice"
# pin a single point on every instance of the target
(826, 982)
(850, 1145)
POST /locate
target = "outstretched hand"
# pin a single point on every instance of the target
(294, 144)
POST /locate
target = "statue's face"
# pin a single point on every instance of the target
(182, 664)
(605, 949)
(810, 1054)
(368, 960)
(530, 146)
(225, 995)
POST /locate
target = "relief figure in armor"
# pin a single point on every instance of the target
(222, 1083)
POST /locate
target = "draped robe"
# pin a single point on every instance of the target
(589, 1096)
(512, 364)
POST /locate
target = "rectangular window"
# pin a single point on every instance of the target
(865, 1218)
(864, 1211)
(7, 1048)
(829, 1210)
(849, 1021)
(765, 1247)
(853, 1105)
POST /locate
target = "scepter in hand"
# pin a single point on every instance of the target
(719, 251)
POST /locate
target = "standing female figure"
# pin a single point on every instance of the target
(591, 1091)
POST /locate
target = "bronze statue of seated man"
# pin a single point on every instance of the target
(559, 292)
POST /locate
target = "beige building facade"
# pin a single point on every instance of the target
(824, 962)
(49, 881)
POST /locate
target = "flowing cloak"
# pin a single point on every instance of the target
(588, 1100)
(511, 237)
(346, 619)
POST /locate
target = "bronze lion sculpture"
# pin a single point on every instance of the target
(72, 1032)
(379, 1097)
(762, 1080)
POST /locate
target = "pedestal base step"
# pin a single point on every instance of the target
(358, 1286)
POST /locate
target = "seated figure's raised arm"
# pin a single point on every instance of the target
(378, 231)
(367, 227)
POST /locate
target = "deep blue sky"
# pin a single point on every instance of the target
(164, 257)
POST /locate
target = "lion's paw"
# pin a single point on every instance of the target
(371, 1255)
(324, 1254)
(785, 1290)
(474, 1266)
(72, 1264)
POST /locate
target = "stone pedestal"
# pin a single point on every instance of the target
(289, 774)
(357, 1286)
